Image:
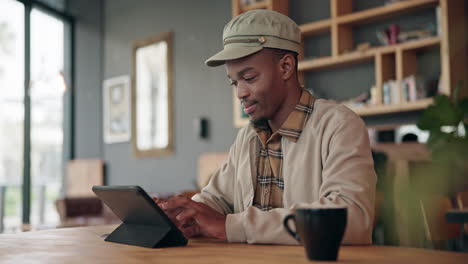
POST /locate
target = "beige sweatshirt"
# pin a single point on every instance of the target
(330, 164)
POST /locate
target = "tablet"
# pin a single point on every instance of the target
(143, 222)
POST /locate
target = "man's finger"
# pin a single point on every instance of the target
(158, 200)
(176, 202)
(186, 214)
(172, 214)
(190, 231)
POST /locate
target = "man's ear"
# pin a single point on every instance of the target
(287, 66)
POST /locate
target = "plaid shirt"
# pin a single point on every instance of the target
(270, 185)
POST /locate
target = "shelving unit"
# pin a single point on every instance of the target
(347, 17)
(281, 6)
(392, 108)
(368, 55)
(316, 28)
(393, 62)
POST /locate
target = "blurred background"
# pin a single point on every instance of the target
(82, 94)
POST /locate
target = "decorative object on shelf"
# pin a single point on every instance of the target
(363, 46)
(428, 31)
(152, 97)
(116, 109)
(393, 34)
(240, 6)
(358, 101)
(245, 3)
(392, 62)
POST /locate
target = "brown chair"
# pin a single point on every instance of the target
(208, 163)
(80, 206)
(462, 203)
(438, 230)
(82, 174)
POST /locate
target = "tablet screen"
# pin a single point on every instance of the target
(144, 223)
(132, 205)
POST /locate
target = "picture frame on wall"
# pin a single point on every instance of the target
(117, 109)
(152, 82)
(240, 118)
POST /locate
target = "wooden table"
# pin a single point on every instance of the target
(85, 245)
(457, 215)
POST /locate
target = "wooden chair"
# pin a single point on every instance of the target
(399, 212)
(438, 230)
(208, 163)
(82, 174)
(462, 202)
(80, 206)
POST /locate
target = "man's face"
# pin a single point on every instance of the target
(258, 84)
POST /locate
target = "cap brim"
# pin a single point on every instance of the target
(231, 53)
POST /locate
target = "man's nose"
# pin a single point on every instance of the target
(242, 91)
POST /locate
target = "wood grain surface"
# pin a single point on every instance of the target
(86, 245)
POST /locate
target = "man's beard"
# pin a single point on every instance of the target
(261, 123)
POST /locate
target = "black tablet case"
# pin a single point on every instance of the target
(143, 222)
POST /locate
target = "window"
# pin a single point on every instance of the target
(11, 111)
(33, 113)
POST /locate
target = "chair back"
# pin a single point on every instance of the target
(436, 226)
(208, 163)
(82, 174)
(81, 206)
(462, 203)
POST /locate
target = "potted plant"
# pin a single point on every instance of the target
(446, 122)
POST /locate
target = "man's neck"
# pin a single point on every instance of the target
(288, 106)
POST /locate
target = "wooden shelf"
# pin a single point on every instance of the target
(388, 109)
(333, 62)
(259, 5)
(385, 12)
(393, 62)
(420, 44)
(364, 56)
(316, 28)
(409, 45)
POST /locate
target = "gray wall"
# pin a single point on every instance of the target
(105, 31)
(88, 75)
(198, 90)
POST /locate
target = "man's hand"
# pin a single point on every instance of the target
(193, 218)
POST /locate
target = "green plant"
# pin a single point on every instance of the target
(448, 139)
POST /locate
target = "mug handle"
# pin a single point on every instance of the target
(286, 226)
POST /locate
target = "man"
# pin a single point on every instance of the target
(297, 151)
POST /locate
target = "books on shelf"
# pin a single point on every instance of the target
(245, 3)
(410, 89)
(373, 96)
(439, 21)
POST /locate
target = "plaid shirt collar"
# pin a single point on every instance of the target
(294, 124)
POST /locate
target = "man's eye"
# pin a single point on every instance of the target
(249, 78)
